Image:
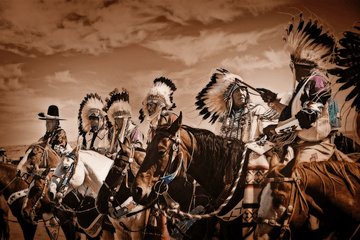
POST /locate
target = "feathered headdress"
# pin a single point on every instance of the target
(213, 100)
(91, 106)
(118, 105)
(348, 57)
(161, 93)
(308, 43)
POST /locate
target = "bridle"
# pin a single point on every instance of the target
(43, 156)
(33, 209)
(162, 185)
(295, 190)
(124, 175)
(68, 175)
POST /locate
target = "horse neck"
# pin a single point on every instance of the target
(202, 167)
(97, 168)
(52, 158)
(8, 174)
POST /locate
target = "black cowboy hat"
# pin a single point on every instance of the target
(52, 114)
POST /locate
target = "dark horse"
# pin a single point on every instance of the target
(37, 203)
(327, 190)
(206, 157)
(116, 189)
(10, 184)
(4, 216)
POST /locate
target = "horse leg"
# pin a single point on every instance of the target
(4, 223)
(107, 235)
(27, 228)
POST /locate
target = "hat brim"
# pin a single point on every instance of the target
(51, 118)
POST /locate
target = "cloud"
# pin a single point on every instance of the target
(94, 26)
(192, 49)
(60, 78)
(250, 63)
(10, 76)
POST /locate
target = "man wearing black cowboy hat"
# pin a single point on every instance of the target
(55, 135)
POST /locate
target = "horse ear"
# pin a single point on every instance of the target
(46, 172)
(287, 170)
(176, 125)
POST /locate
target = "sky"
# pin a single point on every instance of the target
(54, 52)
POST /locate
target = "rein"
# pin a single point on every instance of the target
(175, 208)
(43, 156)
(295, 188)
(33, 209)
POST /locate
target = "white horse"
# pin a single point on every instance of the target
(86, 167)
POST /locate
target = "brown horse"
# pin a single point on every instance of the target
(37, 203)
(38, 155)
(177, 149)
(327, 190)
(116, 189)
(4, 216)
(10, 184)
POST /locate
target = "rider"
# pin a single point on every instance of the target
(92, 124)
(308, 110)
(119, 115)
(227, 99)
(157, 106)
(55, 135)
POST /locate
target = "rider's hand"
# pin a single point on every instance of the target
(267, 95)
(270, 132)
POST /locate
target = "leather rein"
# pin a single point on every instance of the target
(295, 188)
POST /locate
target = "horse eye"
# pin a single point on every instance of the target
(162, 153)
(66, 168)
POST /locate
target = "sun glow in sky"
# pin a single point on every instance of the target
(55, 52)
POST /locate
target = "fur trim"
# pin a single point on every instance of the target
(308, 43)
(213, 100)
(118, 105)
(91, 102)
(161, 92)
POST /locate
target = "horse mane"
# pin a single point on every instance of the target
(337, 171)
(218, 152)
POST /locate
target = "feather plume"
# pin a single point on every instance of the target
(90, 101)
(348, 65)
(162, 91)
(309, 43)
(213, 99)
(118, 105)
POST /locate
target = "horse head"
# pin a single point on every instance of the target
(36, 196)
(38, 155)
(69, 174)
(165, 159)
(283, 205)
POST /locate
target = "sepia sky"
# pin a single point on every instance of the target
(54, 52)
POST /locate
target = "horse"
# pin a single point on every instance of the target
(37, 204)
(38, 155)
(179, 149)
(116, 188)
(4, 216)
(327, 190)
(86, 167)
(12, 188)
